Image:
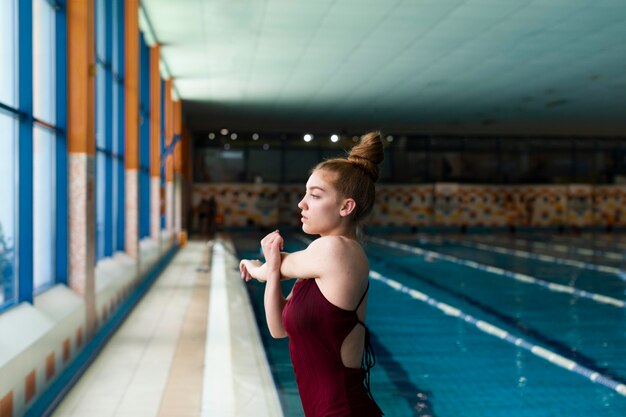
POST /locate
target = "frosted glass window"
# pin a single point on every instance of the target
(43, 61)
(8, 280)
(43, 207)
(8, 56)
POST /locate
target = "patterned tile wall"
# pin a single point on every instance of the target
(442, 204)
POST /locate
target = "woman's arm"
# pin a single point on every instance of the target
(273, 297)
(314, 261)
(308, 263)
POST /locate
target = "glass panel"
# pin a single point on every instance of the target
(8, 59)
(415, 167)
(43, 61)
(264, 165)
(217, 165)
(43, 207)
(298, 163)
(144, 198)
(8, 281)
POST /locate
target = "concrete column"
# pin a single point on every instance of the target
(131, 92)
(81, 149)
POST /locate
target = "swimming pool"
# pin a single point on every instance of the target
(438, 326)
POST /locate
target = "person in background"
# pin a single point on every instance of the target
(324, 314)
(207, 209)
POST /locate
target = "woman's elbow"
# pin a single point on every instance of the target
(278, 334)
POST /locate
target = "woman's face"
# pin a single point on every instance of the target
(320, 205)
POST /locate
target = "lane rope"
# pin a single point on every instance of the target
(543, 258)
(527, 279)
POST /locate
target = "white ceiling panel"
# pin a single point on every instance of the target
(401, 64)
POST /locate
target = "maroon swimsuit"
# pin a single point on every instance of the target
(316, 330)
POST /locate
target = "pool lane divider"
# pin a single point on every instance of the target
(558, 247)
(527, 279)
(567, 249)
(492, 330)
(544, 258)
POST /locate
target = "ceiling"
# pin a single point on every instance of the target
(413, 66)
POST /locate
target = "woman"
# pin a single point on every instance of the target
(324, 314)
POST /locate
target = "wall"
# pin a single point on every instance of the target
(441, 204)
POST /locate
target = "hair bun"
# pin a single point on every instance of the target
(368, 154)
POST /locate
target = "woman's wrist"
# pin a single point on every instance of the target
(272, 273)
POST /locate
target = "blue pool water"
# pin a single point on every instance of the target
(433, 364)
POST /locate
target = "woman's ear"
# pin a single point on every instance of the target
(347, 207)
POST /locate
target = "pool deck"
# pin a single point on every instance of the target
(190, 348)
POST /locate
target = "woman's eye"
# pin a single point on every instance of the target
(314, 196)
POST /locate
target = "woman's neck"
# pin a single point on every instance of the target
(348, 231)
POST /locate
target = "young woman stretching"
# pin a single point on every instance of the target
(324, 314)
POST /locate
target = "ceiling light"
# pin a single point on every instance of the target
(233, 136)
(355, 138)
(334, 138)
(308, 137)
(266, 146)
(255, 136)
(227, 146)
(224, 132)
(211, 135)
(389, 138)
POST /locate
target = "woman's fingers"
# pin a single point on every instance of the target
(242, 269)
(270, 240)
(269, 236)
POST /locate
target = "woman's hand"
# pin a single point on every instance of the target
(251, 268)
(272, 244)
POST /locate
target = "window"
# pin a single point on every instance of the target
(264, 164)
(43, 61)
(298, 163)
(8, 28)
(103, 128)
(8, 282)
(43, 208)
(43, 143)
(8, 154)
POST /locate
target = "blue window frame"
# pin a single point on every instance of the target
(144, 139)
(25, 152)
(118, 176)
(163, 156)
(61, 242)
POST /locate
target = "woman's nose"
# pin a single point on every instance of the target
(301, 204)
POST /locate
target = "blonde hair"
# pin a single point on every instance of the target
(357, 173)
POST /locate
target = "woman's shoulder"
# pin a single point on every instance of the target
(340, 252)
(336, 244)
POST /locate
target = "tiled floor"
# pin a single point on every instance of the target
(154, 366)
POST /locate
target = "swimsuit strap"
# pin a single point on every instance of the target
(363, 296)
(369, 359)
